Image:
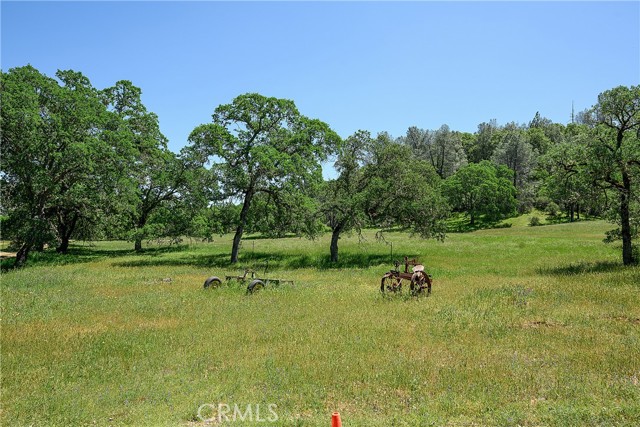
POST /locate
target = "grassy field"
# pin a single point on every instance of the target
(525, 326)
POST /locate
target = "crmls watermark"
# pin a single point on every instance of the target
(222, 412)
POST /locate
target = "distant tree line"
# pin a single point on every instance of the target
(79, 162)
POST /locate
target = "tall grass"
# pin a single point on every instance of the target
(525, 326)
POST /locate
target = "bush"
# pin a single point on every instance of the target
(534, 221)
(552, 209)
(541, 203)
(504, 225)
(525, 206)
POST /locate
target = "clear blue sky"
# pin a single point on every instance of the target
(378, 66)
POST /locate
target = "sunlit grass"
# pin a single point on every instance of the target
(525, 326)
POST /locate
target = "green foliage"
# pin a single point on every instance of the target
(485, 143)
(482, 189)
(262, 145)
(552, 209)
(56, 161)
(515, 151)
(342, 201)
(613, 158)
(155, 177)
(565, 179)
(286, 211)
(443, 148)
(403, 190)
(542, 134)
(535, 221)
(83, 163)
(382, 184)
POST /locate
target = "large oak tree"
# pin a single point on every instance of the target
(482, 189)
(342, 200)
(54, 156)
(155, 176)
(614, 154)
(260, 144)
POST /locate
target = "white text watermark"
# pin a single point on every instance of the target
(223, 412)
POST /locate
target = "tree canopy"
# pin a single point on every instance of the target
(262, 145)
(52, 155)
(482, 189)
(613, 157)
(83, 162)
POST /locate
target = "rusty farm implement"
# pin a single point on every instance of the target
(419, 280)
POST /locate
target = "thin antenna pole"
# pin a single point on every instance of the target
(572, 111)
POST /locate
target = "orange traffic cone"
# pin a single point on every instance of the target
(335, 420)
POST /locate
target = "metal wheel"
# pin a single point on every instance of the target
(419, 282)
(255, 286)
(212, 282)
(390, 283)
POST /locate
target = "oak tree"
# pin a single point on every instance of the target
(613, 155)
(260, 144)
(482, 189)
(55, 159)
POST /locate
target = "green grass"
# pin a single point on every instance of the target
(459, 222)
(525, 326)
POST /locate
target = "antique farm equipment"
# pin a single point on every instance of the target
(418, 278)
(255, 284)
(242, 278)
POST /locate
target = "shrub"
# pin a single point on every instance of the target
(552, 209)
(542, 202)
(534, 221)
(504, 225)
(525, 206)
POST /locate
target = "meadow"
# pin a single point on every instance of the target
(531, 326)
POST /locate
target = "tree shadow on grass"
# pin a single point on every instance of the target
(188, 259)
(84, 254)
(263, 262)
(345, 261)
(181, 255)
(581, 268)
(461, 224)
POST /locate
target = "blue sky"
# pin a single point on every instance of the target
(379, 66)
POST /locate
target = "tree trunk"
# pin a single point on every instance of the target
(571, 213)
(63, 247)
(472, 220)
(625, 226)
(244, 213)
(142, 221)
(335, 236)
(22, 255)
(65, 231)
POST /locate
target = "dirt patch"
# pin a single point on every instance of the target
(629, 319)
(541, 324)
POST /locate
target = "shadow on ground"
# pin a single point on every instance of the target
(462, 225)
(264, 261)
(84, 254)
(582, 268)
(180, 255)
